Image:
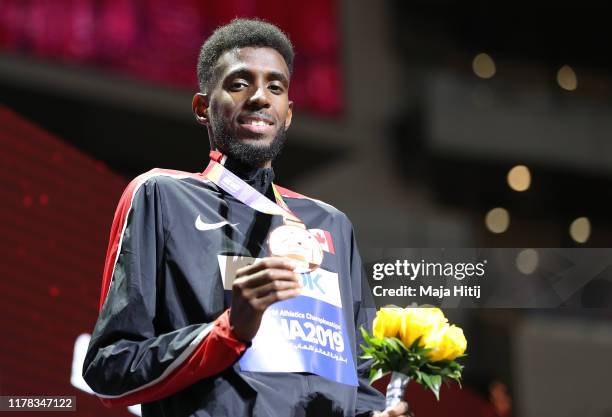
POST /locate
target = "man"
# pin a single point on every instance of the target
(166, 335)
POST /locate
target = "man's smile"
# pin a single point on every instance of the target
(260, 124)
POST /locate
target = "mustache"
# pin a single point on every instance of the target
(259, 115)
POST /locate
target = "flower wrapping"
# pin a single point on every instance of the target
(396, 388)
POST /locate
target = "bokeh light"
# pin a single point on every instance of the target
(483, 65)
(580, 229)
(497, 220)
(566, 77)
(527, 261)
(519, 178)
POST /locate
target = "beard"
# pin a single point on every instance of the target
(251, 154)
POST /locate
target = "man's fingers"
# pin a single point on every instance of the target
(275, 296)
(262, 284)
(265, 277)
(400, 409)
(275, 262)
(277, 285)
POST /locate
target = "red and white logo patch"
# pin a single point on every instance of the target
(324, 238)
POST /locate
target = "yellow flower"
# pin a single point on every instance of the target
(387, 322)
(447, 344)
(423, 322)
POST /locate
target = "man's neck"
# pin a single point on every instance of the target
(258, 177)
(238, 164)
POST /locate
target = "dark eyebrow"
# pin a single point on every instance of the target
(238, 73)
(279, 76)
(245, 73)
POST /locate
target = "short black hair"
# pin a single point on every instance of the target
(240, 33)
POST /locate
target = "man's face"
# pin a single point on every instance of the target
(248, 107)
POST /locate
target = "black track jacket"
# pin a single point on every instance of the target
(163, 337)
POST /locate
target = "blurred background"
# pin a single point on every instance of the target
(431, 124)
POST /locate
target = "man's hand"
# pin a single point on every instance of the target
(400, 409)
(258, 286)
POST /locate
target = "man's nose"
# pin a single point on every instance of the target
(259, 98)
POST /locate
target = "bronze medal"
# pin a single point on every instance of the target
(297, 243)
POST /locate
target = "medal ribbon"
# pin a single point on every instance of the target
(243, 192)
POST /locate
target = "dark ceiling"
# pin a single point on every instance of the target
(550, 33)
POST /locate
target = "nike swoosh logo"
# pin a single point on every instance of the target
(200, 225)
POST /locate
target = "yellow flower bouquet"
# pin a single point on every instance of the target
(413, 343)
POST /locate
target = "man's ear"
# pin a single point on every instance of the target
(289, 115)
(199, 104)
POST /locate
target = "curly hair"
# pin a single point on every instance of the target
(240, 33)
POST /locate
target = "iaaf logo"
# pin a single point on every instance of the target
(310, 280)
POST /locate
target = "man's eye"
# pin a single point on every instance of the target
(238, 85)
(275, 88)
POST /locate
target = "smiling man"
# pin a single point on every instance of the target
(245, 102)
(224, 294)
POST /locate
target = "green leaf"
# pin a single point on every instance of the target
(373, 341)
(364, 333)
(425, 378)
(375, 374)
(416, 342)
(401, 344)
(394, 344)
(418, 376)
(436, 381)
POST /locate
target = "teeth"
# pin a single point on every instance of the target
(258, 123)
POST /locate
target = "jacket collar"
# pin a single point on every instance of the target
(258, 178)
